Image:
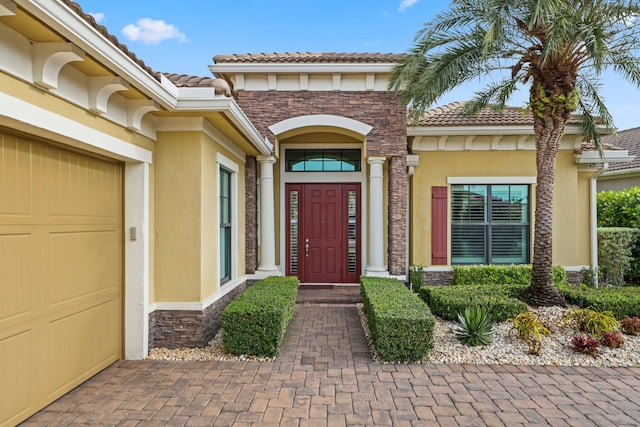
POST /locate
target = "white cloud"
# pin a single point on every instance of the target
(98, 16)
(152, 31)
(406, 4)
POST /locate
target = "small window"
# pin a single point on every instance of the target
(489, 224)
(225, 226)
(323, 160)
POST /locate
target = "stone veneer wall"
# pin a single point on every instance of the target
(397, 227)
(388, 138)
(189, 328)
(251, 215)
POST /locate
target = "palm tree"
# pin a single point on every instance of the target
(557, 49)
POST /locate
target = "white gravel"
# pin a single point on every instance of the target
(505, 348)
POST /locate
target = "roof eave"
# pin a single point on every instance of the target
(620, 172)
(482, 130)
(608, 156)
(65, 21)
(300, 67)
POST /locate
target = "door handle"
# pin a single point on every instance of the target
(306, 248)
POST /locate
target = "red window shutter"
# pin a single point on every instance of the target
(439, 233)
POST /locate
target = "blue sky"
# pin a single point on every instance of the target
(183, 36)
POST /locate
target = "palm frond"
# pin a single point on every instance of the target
(591, 106)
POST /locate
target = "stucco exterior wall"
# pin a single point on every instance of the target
(187, 217)
(178, 217)
(571, 208)
(617, 183)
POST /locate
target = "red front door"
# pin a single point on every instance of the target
(323, 232)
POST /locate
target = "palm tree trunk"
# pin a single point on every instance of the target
(542, 291)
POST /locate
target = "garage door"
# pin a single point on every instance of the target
(60, 272)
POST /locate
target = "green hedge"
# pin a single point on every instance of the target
(500, 274)
(254, 323)
(401, 325)
(620, 300)
(615, 249)
(501, 301)
(622, 209)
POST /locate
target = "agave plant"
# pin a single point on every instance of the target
(475, 326)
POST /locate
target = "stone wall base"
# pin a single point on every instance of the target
(438, 278)
(189, 328)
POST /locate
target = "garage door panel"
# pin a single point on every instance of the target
(16, 297)
(15, 392)
(60, 272)
(16, 178)
(83, 343)
(82, 263)
(85, 188)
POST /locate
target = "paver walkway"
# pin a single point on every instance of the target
(325, 377)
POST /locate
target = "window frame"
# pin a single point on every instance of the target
(324, 163)
(227, 166)
(489, 223)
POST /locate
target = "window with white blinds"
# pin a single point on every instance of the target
(490, 224)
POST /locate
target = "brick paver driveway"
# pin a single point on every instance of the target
(325, 377)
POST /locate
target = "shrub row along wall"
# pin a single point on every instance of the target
(496, 288)
(622, 209)
(256, 321)
(501, 301)
(401, 325)
(615, 253)
(622, 301)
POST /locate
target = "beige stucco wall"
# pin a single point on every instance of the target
(187, 227)
(571, 209)
(178, 205)
(618, 182)
(50, 102)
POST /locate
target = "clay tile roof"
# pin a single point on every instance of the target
(627, 140)
(185, 80)
(113, 39)
(180, 80)
(451, 115)
(590, 146)
(307, 57)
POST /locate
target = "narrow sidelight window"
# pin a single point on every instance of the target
(225, 226)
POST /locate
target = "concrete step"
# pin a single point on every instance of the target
(329, 294)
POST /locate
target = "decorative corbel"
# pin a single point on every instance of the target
(48, 60)
(136, 109)
(101, 89)
(413, 160)
(8, 8)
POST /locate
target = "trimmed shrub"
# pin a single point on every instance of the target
(416, 277)
(500, 275)
(255, 322)
(622, 301)
(615, 247)
(401, 325)
(500, 300)
(622, 209)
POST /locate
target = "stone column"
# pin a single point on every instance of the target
(397, 216)
(267, 216)
(251, 215)
(375, 261)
